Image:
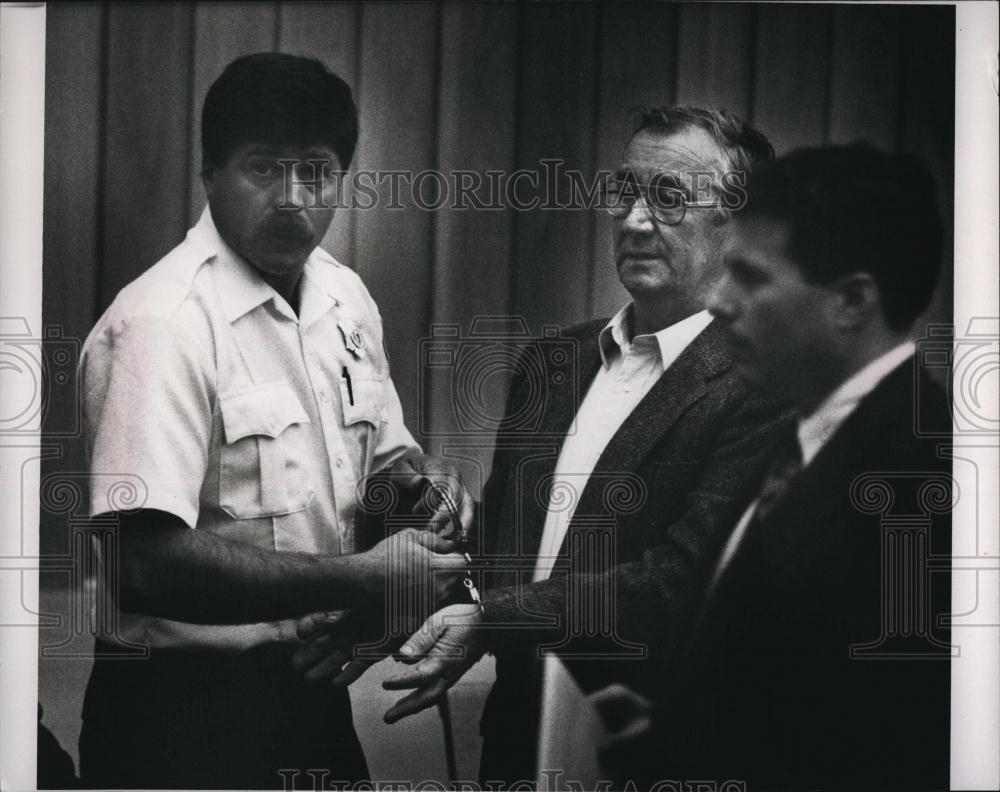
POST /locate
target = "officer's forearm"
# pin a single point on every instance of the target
(166, 569)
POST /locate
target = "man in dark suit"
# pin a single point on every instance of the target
(820, 659)
(640, 453)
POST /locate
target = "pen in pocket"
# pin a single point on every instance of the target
(350, 390)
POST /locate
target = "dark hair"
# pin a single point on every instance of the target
(281, 100)
(745, 145)
(856, 209)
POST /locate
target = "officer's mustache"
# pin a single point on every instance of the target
(291, 226)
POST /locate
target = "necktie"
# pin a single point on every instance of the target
(742, 558)
(786, 464)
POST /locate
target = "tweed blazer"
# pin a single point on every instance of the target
(646, 528)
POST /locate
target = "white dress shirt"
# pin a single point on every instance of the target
(816, 430)
(208, 397)
(629, 370)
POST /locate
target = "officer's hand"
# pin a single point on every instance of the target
(329, 641)
(432, 487)
(417, 562)
(447, 645)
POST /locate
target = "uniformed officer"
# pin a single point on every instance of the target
(235, 395)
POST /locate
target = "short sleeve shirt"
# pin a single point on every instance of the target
(207, 397)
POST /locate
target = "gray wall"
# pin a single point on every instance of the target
(448, 86)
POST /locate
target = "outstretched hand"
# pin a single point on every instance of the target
(447, 645)
(328, 648)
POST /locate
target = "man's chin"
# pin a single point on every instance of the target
(643, 275)
(285, 261)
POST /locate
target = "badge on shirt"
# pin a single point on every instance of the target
(354, 339)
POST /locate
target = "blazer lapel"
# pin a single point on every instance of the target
(859, 444)
(563, 403)
(680, 386)
(561, 407)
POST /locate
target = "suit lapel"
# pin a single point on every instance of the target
(561, 406)
(858, 444)
(563, 403)
(680, 386)
(822, 489)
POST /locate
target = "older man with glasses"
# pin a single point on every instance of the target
(641, 454)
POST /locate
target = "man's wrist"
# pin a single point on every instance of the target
(366, 573)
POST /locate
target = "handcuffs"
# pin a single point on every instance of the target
(463, 543)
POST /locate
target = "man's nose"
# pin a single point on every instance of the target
(720, 302)
(639, 219)
(296, 193)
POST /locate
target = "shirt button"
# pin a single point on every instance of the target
(628, 388)
(322, 396)
(340, 461)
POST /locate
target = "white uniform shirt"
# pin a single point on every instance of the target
(629, 370)
(205, 396)
(816, 430)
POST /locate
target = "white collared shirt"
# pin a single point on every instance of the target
(815, 430)
(629, 370)
(205, 396)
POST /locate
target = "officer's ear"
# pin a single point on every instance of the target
(207, 173)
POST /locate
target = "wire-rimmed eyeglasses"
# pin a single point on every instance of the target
(666, 203)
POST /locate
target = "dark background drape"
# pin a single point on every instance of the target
(448, 86)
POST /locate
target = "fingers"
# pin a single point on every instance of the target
(435, 543)
(327, 667)
(467, 512)
(312, 652)
(449, 495)
(421, 642)
(622, 709)
(439, 491)
(315, 623)
(635, 730)
(442, 522)
(353, 671)
(416, 702)
(424, 673)
(319, 661)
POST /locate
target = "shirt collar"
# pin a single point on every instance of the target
(669, 342)
(244, 289)
(815, 430)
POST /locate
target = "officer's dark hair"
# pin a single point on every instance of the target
(281, 100)
(744, 145)
(856, 209)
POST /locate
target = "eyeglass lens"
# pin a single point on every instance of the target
(665, 203)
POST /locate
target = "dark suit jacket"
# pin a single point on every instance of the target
(820, 660)
(653, 513)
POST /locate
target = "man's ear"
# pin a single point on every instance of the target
(207, 174)
(857, 299)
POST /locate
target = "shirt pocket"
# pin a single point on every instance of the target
(362, 399)
(264, 461)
